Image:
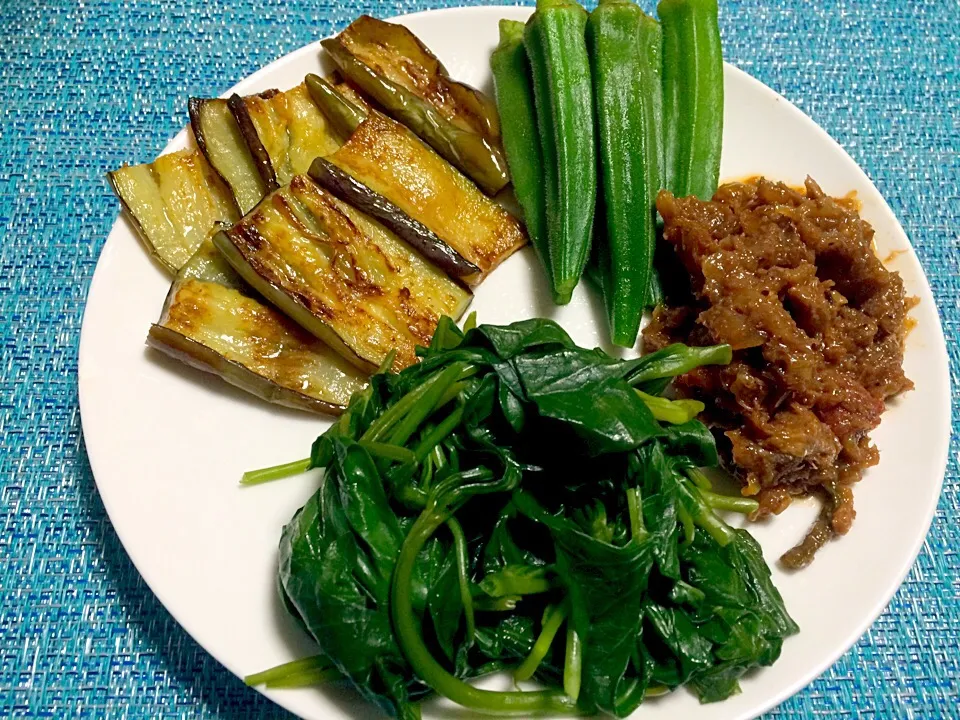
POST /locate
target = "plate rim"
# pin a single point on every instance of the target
(249, 84)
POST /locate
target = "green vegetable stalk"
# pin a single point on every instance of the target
(314, 670)
(517, 580)
(563, 93)
(624, 45)
(692, 96)
(513, 88)
(552, 620)
(572, 663)
(521, 704)
(278, 472)
(676, 412)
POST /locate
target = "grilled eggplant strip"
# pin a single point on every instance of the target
(291, 130)
(394, 68)
(173, 202)
(211, 321)
(339, 274)
(220, 139)
(354, 192)
(259, 142)
(391, 161)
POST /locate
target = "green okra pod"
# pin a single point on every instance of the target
(692, 96)
(624, 48)
(513, 88)
(563, 94)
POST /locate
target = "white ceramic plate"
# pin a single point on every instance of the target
(168, 444)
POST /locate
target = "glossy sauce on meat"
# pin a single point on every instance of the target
(790, 280)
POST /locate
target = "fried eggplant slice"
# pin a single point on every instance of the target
(259, 142)
(392, 66)
(221, 140)
(341, 275)
(388, 159)
(173, 202)
(291, 130)
(354, 192)
(211, 320)
(346, 115)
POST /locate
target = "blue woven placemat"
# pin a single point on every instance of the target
(86, 86)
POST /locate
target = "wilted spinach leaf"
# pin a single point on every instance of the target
(511, 503)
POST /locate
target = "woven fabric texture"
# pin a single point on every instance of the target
(89, 85)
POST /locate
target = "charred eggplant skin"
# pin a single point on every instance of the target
(464, 137)
(295, 308)
(248, 132)
(229, 135)
(401, 57)
(415, 233)
(194, 107)
(242, 176)
(291, 129)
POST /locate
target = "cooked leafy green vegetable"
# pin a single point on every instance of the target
(512, 502)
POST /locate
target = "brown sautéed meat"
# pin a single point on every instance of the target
(790, 280)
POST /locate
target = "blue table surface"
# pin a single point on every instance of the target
(87, 86)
